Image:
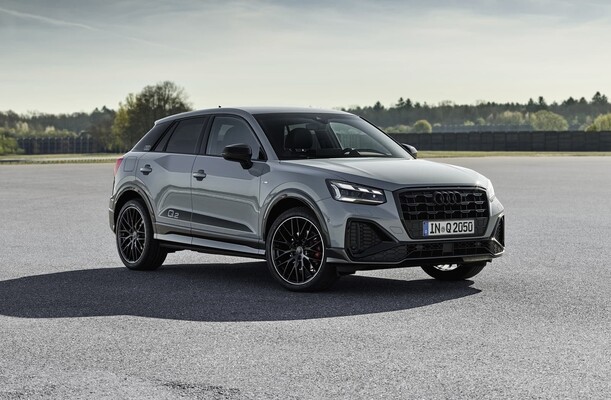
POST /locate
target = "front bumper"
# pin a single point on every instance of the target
(372, 248)
(375, 243)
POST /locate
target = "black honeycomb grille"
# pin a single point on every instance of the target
(365, 239)
(419, 205)
(362, 236)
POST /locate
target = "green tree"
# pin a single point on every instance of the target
(569, 102)
(397, 129)
(531, 106)
(102, 132)
(601, 123)
(378, 106)
(510, 118)
(140, 111)
(600, 99)
(422, 126)
(8, 143)
(548, 121)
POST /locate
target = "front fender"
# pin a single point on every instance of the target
(291, 193)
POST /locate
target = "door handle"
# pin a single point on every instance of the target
(199, 175)
(146, 169)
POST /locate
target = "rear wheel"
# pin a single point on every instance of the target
(454, 272)
(134, 234)
(295, 251)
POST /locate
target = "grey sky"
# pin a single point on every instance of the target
(70, 55)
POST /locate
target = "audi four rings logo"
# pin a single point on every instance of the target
(447, 198)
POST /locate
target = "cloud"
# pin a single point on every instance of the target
(46, 20)
(70, 24)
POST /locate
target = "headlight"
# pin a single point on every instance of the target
(353, 193)
(490, 190)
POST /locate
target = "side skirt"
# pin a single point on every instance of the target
(178, 242)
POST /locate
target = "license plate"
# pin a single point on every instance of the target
(443, 228)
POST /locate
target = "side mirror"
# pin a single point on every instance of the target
(239, 152)
(410, 149)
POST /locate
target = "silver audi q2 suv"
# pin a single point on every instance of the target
(317, 193)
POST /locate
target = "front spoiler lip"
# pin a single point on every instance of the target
(340, 256)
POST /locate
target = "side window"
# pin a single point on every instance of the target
(231, 130)
(185, 136)
(147, 142)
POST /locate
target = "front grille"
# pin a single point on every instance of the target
(419, 205)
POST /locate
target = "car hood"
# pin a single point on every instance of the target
(392, 174)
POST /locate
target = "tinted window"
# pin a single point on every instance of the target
(350, 136)
(185, 136)
(309, 135)
(231, 130)
(149, 140)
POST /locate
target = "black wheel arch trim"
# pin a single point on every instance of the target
(299, 195)
(142, 194)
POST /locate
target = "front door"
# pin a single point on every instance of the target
(225, 195)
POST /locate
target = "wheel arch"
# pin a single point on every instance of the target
(287, 201)
(133, 193)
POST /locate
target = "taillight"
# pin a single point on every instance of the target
(118, 164)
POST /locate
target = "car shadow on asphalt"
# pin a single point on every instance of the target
(212, 292)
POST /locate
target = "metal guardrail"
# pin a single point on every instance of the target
(449, 141)
(508, 141)
(62, 145)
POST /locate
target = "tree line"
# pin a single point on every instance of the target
(118, 130)
(570, 114)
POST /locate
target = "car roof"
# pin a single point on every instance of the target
(253, 111)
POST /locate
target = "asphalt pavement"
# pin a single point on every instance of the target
(536, 323)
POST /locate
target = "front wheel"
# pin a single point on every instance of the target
(295, 252)
(134, 233)
(454, 272)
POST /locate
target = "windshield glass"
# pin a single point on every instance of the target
(308, 135)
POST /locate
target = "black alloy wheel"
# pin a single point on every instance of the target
(454, 272)
(134, 233)
(296, 252)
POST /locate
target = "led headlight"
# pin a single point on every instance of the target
(353, 193)
(490, 190)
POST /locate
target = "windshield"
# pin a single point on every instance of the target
(308, 135)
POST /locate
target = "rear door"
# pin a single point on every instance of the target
(166, 175)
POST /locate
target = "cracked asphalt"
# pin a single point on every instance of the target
(74, 323)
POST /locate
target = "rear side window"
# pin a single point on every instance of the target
(148, 141)
(185, 136)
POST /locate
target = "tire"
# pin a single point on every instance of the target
(134, 237)
(457, 273)
(296, 252)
